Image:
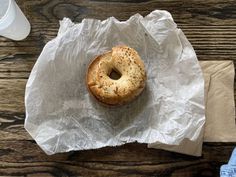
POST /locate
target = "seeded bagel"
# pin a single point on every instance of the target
(125, 62)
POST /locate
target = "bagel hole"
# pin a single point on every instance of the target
(115, 75)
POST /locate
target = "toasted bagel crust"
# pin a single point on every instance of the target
(125, 61)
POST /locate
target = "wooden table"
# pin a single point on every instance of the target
(210, 26)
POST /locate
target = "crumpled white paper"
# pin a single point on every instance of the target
(60, 114)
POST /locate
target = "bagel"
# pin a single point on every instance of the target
(127, 65)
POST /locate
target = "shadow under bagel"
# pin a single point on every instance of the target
(122, 116)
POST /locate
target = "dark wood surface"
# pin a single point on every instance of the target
(210, 25)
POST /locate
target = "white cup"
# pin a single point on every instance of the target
(13, 23)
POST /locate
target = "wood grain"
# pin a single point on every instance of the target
(202, 21)
(109, 161)
(210, 26)
(27, 151)
(198, 12)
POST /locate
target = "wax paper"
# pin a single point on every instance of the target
(62, 116)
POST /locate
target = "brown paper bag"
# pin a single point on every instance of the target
(219, 94)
